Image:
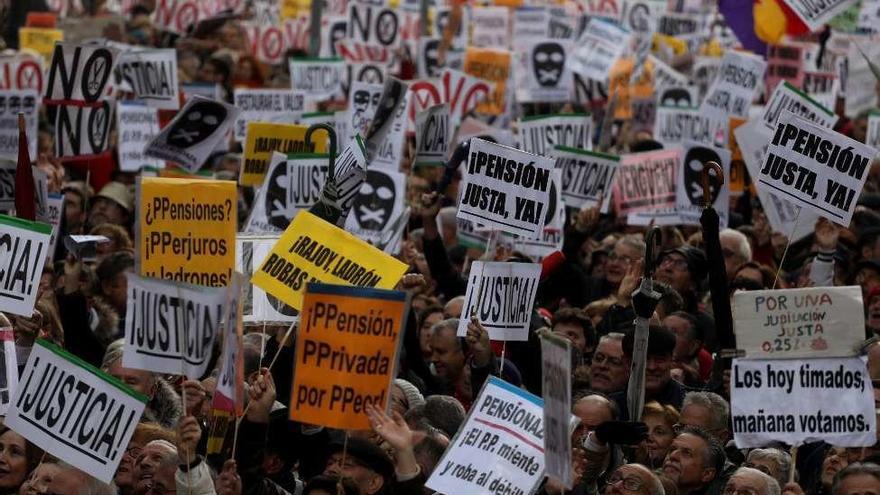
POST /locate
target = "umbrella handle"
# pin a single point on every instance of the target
(705, 176)
(331, 148)
(654, 240)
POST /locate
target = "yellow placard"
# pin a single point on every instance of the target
(264, 137)
(678, 46)
(40, 40)
(491, 65)
(737, 177)
(346, 349)
(312, 250)
(186, 230)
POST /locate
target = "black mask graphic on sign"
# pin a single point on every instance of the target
(431, 57)
(199, 122)
(375, 201)
(551, 205)
(548, 61)
(693, 167)
(276, 198)
(388, 101)
(337, 32)
(676, 97)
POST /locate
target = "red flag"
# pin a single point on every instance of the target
(25, 189)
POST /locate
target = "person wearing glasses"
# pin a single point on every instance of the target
(749, 481)
(633, 479)
(609, 367)
(685, 269)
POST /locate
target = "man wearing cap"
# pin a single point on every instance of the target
(364, 462)
(113, 204)
(76, 196)
(685, 268)
(659, 385)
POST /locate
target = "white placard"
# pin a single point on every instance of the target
(432, 136)
(556, 391)
(873, 136)
(317, 79)
(540, 133)
(24, 247)
(674, 125)
(587, 176)
(13, 102)
(79, 73)
(152, 75)
(257, 305)
(491, 25)
(816, 14)
(541, 72)
(788, 98)
(738, 80)
(598, 48)
(689, 191)
(266, 105)
(292, 183)
(502, 294)
(137, 125)
(377, 205)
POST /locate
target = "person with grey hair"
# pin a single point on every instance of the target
(709, 411)
(71, 481)
(774, 462)
(453, 307)
(164, 405)
(736, 250)
(749, 480)
(860, 478)
(695, 461)
(442, 412)
(633, 479)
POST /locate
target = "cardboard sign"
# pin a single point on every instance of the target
(312, 250)
(788, 98)
(819, 322)
(24, 246)
(801, 401)
(432, 136)
(502, 295)
(646, 181)
(257, 305)
(292, 183)
(542, 74)
(186, 230)
(556, 391)
(689, 192)
(540, 133)
(785, 62)
(99, 412)
(39, 40)
(277, 106)
(137, 125)
(872, 138)
(816, 168)
(737, 83)
(79, 73)
(675, 125)
(500, 447)
(505, 188)
(377, 206)
(598, 48)
(194, 133)
(363, 327)
(171, 327)
(152, 74)
(264, 138)
(315, 78)
(490, 65)
(83, 132)
(490, 26)
(13, 102)
(8, 370)
(816, 14)
(587, 177)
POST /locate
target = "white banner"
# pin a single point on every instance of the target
(266, 105)
(673, 125)
(540, 133)
(491, 26)
(24, 247)
(817, 14)
(74, 412)
(432, 136)
(689, 191)
(502, 294)
(587, 176)
(83, 132)
(8, 370)
(556, 391)
(7, 185)
(194, 133)
(800, 401)
(788, 98)
(13, 102)
(79, 73)
(377, 205)
(599, 46)
(735, 86)
(137, 125)
(292, 183)
(152, 74)
(257, 305)
(542, 74)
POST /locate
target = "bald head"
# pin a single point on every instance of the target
(751, 480)
(592, 410)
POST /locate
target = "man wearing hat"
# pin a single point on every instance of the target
(113, 204)
(364, 462)
(659, 385)
(685, 268)
(76, 197)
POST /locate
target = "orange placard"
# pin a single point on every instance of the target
(618, 84)
(491, 65)
(737, 165)
(346, 351)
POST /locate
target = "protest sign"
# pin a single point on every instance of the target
(785, 62)
(78, 73)
(98, 420)
(540, 133)
(598, 48)
(815, 322)
(83, 131)
(264, 138)
(8, 370)
(872, 138)
(468, 235)
(171, 327)
(689, 191)
(7, 185)
(21, 71)
(13, 102)
(816, 14)
(800, 401)
(346, 354)
(490, 26)
(501, 295)
(646, 181)
(186, 230)
(541, 72)
(490, 65)
(312, 250)
(363, 102)
(292, 183)
(194, 133)
(24, 247)
(674, 125)
(529, 22)
(152, 75)
(377, 205)
(556, 391)
(499, 448)
(388, 152)
(257, 305)
(788, 98)
(40, 40)
(137, 125)
(859, 81)
(587, 176)
(816, 168)
(552, 235)
(277, 106)
(737, 83)
(824, 87)
(432, 136)
(316, 79)
(51, 215)
(505, 188)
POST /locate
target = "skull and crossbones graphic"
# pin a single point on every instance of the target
(201, 119)
(374, 202)
(548, 62)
